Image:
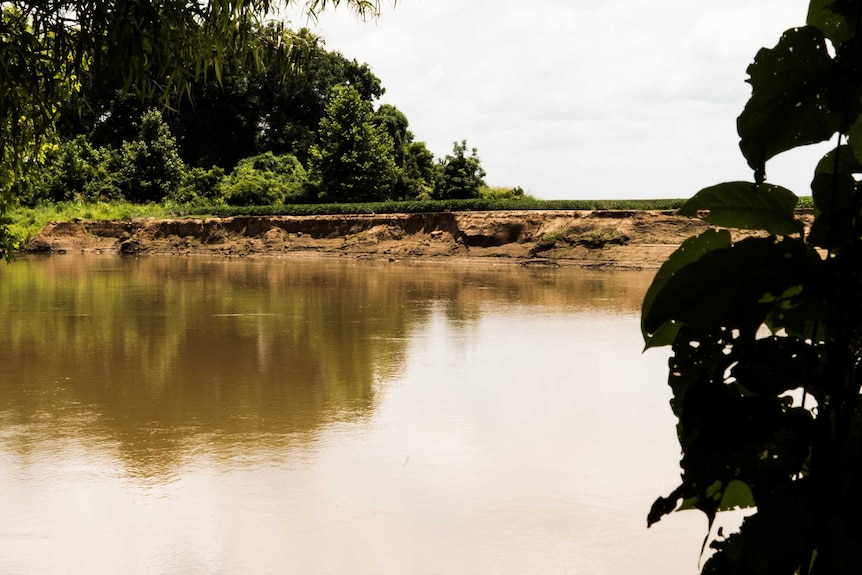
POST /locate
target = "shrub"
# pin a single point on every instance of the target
(265, 179)
(200, 186)
(73, 171)
(487, 193)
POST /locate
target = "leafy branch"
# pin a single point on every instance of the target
(766, 331)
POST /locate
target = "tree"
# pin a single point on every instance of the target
(461, 175)
(395, 123)
(354, 160)
(419, 173)
(292, 106)
(149, 169)
(47, 49)
(273, 104)
(766, 331)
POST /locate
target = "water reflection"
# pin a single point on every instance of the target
(155, 353)
(212, 416)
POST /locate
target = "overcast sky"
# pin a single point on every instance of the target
(578, 98)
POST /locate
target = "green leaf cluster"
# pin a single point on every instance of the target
(48, 50)
(461, 175)
(355, 159)
(764, 320)
(269, 91)
(265, 179)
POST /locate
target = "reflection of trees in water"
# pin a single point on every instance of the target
(160, 356)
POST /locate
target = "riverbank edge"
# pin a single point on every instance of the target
(620, 239)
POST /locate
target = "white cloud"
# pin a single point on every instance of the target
(577, 98)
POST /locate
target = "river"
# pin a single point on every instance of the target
(221, 416)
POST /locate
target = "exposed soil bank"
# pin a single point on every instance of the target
(607, 238)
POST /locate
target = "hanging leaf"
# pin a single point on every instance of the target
(747, 206)
(736, 495)
(854, 138)
(664, 505)
(734, 280)
(789, 104)
(689, 251)
(774, 365)
(836, 18)
(746, 439)
(833, 190)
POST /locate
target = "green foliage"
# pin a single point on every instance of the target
(548, 242)
(149, 169)
(517, 192)
(265, 179)
(354, 161)
(72, 171)
(461, 175)
(25, 222)
(289, 107)
(766, 331)
(418, 172)
(35, 79)
(431, 206)
(395, 123)
(201, 186)
(48, 50)
(273, 102)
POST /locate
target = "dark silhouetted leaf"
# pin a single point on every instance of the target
(663, 506)
(833, 189)
(736, 495)
(774, 365)
(836, 19)
(690, 251)
(854, 138)
(747, 206)
(788, 105)
(734, 280)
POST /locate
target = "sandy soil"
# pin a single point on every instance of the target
(607, 238)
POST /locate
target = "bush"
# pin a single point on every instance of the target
(516, 193)
(200, 186)
(73, 171)
(264, 180)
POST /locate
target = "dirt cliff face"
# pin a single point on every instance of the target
(641, 239)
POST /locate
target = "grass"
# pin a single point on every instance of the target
(27, 222)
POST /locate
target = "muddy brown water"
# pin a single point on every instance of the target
(208, 416)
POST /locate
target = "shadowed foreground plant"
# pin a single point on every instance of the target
(766, 332)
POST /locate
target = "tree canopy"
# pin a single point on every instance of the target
(766, 330)
(461, 175)
(355, 161)
(254, 107)
(49, 50)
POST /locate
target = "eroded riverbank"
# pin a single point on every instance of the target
(594, 238)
